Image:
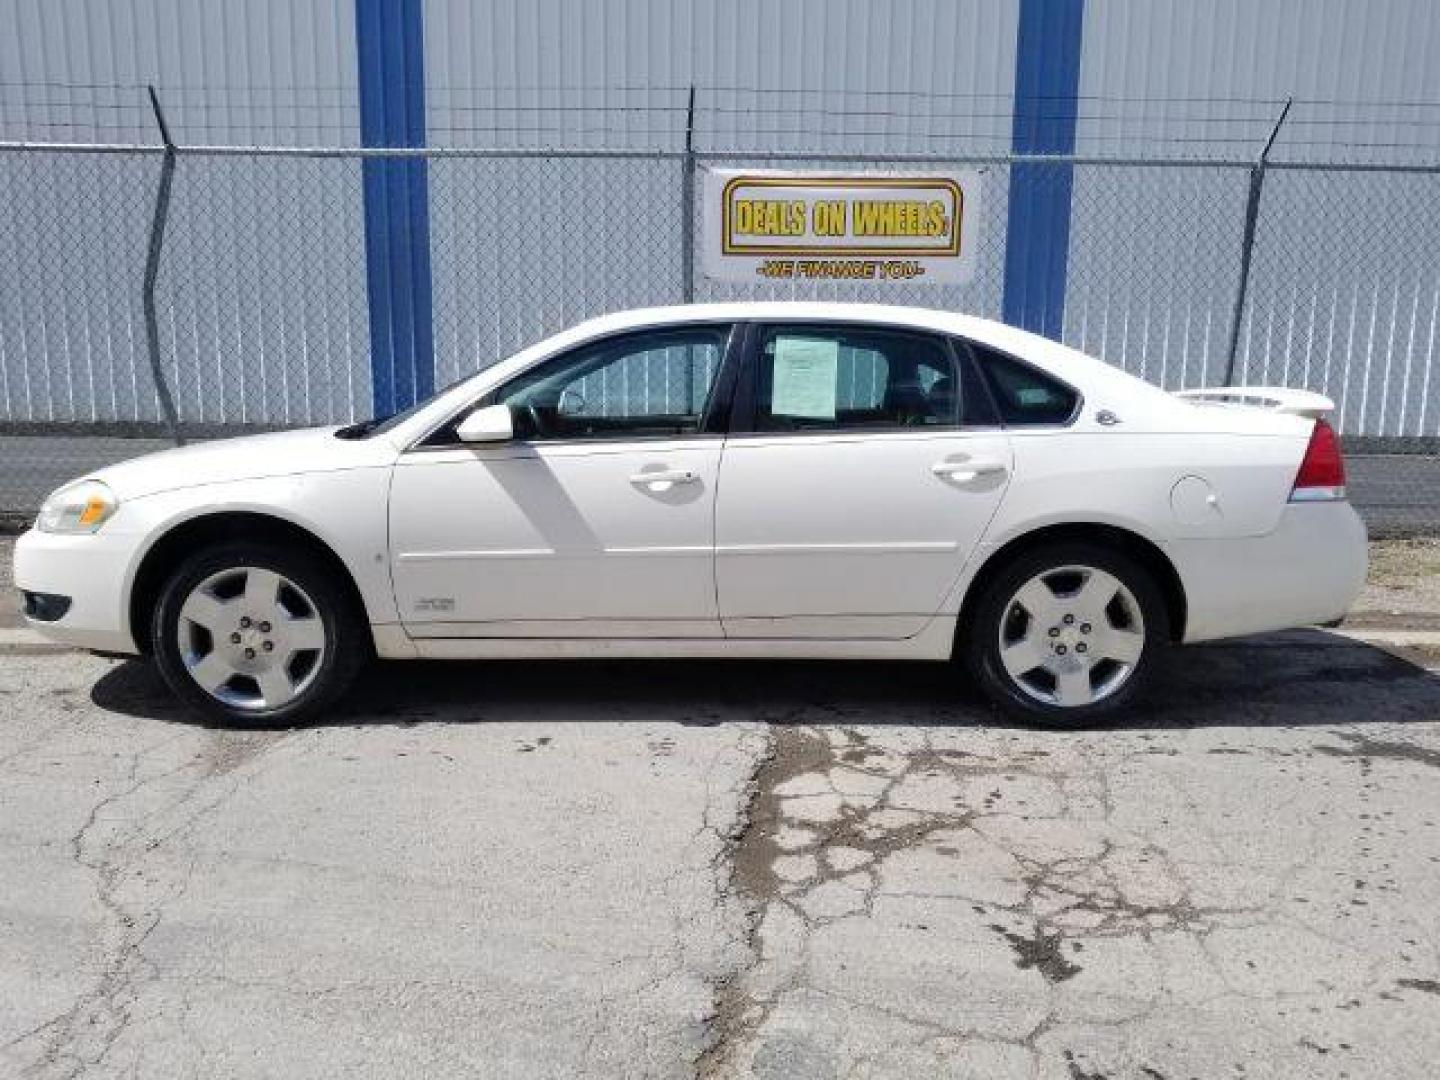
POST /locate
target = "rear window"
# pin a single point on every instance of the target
(1026, 395)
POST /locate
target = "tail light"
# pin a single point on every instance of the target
(1322, 472)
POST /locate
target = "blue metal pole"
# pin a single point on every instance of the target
(1037, 244)
(390, 47)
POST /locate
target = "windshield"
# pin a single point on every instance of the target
(379, 425)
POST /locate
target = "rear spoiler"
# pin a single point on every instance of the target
(1276, 398)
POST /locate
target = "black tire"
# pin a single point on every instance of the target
(980, 643)
(347, 643)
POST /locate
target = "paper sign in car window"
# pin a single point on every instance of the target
(806, 375)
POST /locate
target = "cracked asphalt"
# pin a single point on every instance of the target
(726, 869)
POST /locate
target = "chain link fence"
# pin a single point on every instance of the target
(261, 317)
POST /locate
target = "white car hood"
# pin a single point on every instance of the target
(280, 453)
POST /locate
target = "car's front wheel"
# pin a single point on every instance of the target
(1066, 634)
(254, 634)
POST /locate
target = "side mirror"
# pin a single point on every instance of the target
(488, 425)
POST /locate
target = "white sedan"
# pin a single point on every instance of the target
(745, 480)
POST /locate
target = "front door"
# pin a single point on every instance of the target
(863, 472)
(597, 520)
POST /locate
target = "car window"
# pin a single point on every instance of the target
(653, 383)
(1025, 395)
(819, 378)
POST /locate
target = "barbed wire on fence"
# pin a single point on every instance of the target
(733, 118)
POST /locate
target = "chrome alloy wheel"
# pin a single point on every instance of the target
(251, 638)
(1071, 636)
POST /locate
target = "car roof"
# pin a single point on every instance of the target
(983, 331)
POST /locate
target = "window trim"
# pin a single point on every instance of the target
(744, 409)
(978, 349)
(713, 420)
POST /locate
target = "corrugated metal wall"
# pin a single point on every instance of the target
(249, 72)
(263, 290)
(1209, 78)
(803, 75)
(1345, 279)
(809, 75)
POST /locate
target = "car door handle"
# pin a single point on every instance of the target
(664, 476)
(965, 471)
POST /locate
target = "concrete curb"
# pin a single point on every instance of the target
(21, 639)
(1412, 639)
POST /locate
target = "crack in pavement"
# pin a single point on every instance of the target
(892, 833)
(729, 1016)
(843, 889)
(112, 845)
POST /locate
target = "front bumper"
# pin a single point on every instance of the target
(94, 572)
(1307, 572)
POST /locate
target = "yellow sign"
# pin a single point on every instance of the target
(769, 225)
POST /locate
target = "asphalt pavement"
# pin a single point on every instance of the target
(665, 869)
(1397, 494)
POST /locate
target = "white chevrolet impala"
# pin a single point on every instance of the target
(744, 480)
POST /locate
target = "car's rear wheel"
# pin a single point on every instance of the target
(254, 634)
(1066, 634)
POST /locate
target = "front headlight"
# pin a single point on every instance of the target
(78, 508)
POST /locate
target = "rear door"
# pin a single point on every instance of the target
(862, 469)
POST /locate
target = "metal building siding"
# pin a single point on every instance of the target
(264, 270)
(261, 291)
(251, 72)
(1344, 278)
(1209, 78)
(523, 248)
(851, 75)
(616, 73)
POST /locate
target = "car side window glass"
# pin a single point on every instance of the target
(654, 383)
(821, 378)
(1026, 395)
